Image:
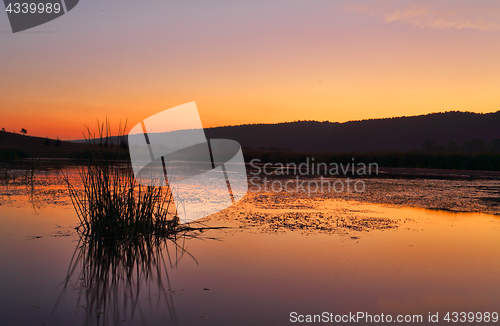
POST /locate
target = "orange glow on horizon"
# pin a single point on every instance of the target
(336, 64)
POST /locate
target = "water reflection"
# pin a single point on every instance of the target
(31, 184)
(121, 280)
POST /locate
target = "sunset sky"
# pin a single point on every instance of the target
(249, 62)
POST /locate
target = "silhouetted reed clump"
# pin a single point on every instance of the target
(111, 205)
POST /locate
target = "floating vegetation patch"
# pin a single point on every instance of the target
(272, 213)
(320, 222)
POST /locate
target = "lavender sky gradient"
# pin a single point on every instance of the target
(249, 62)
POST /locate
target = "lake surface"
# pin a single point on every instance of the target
(279, 253)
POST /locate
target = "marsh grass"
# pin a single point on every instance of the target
(110, 204)
(6, 176)
(130, 236)
(30, 179)
(476, 161)
(23, 173)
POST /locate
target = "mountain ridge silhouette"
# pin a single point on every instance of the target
(399, 134)
(371, 135)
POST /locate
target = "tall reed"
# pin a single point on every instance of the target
(110, 204)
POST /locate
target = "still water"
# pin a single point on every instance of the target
(278, 254)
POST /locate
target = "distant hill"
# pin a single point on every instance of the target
(14, 145)
(435, 132)
(440, 130)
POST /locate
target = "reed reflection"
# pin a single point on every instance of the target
(119, 280)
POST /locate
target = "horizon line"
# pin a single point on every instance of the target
(287, 122)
